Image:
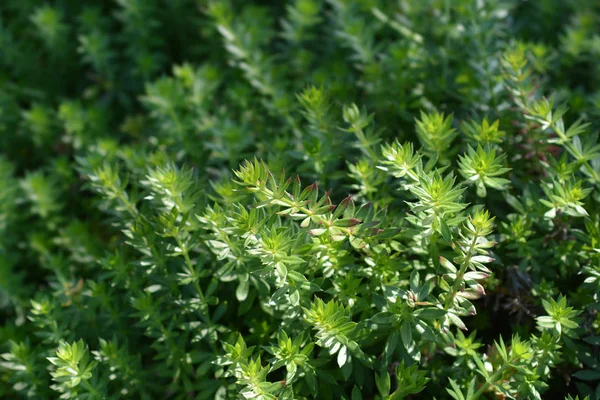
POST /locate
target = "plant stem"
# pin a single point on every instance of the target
(92, 390)
(461, 272)
(489, 382)
(204, 305)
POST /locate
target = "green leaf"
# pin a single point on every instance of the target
(342, 356)
(429, 313)
(445, 230)
(356, 394)
(241, 293)
(383, 383)
(587, 375)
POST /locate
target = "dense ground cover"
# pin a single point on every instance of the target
(359, 199)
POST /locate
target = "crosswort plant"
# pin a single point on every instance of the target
(300, 199)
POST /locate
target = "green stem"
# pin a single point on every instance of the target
(365, 144)
(175, 118)
(412, 175)
(578, 156)
(204, 305)
(553, 124)
(461, 273)
(128, 205)
(92, 390)
(489, 382)
(289, 202)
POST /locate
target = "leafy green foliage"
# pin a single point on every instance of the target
(301, 199)
(73, 367)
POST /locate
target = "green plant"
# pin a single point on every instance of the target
(336, 199)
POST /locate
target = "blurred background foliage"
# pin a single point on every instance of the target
(212, 83)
